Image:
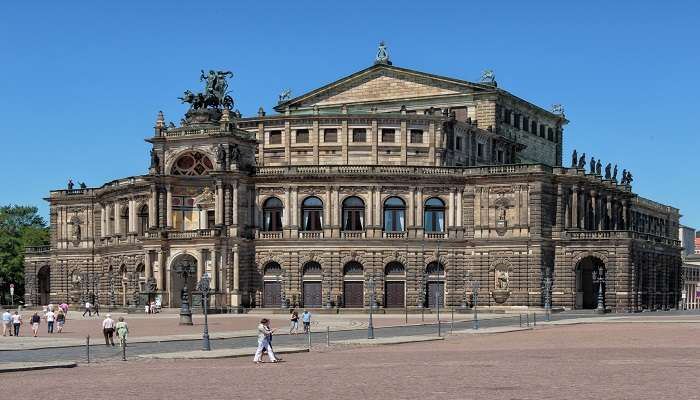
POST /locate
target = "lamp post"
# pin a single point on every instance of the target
(283, 294)
(547, 298)
(185, 270)
(465, 295)
(204, 290)
(437, 304)
(599, 278)
(475, 297)
(370, 325)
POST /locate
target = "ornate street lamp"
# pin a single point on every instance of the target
(370, 325)
(475, 297)
(204, 290)
(599, 279)
(283, 294)
(185, 270)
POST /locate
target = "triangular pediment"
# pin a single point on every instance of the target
(382, 83)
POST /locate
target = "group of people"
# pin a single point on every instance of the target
(54, 316)
(265, 333)
(109, 328)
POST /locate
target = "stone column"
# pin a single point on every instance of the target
(625, 224)
(117, 221)
(169, 208)
(451, 209)
(419, 208)
(103, 216)
(132, 216)
(609, 212)
(458, 208)
(219, 204)
(294, 208)
(234, 205)
(148, 265)
(335, 209)
(235, 300)
(594, 212)
(152, 217)
(203, 220)
(574, 207)
(373, 139)
(410, 217)
(200, 265)
(378, 207)
(161, 270)
(327, 208)
(214, 270)
(370, 214)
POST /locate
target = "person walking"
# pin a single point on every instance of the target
(64, 308)
(88, 309)
(16, 322)
(122, 331)
(96, 307)
(50, 318)
(108, 329)
(264, 333)
(294, 328)
(6, 323)
(36, 320)
(61, 320)
(306, 319)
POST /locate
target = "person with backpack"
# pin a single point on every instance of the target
(35, 321)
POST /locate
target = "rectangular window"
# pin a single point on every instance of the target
(550, 134)
(533, 127)
(516, 121)
(275, 137)
(211, 218)
(359, 135)
(526, 124)
(416, 136)
(506, 116)
(480, 150)
(330, 135)
(387, 136)
(302, 135)
(541, 130)
(458, 144)
(500, 156)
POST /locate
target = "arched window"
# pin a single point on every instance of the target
(312, 268)
(192, 164)
(394, 268)
(435, 269)
(394, 215)
(312, 214)
(353, 214)
(124, 220)
(273, 269)
(272, 214)
(353, 268)
(143, 220)
(434, 215)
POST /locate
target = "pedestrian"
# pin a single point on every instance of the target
(51, 307)
(96, 308)
(50, 318)
(36, 320)
(146, 309)
(88, 309)
(6, 323)
(16, 322)
(64, 308)
(294, 329)
(108, 329)
(61, 320)
(306, 319)
(122, 331)
(264, 333)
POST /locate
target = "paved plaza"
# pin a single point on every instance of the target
(581, 361)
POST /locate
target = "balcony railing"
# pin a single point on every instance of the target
(608, 235)
(270, 234)
(310, 234)
(435, 235)
(394, 235)
(400, 170)
(194, 234)
(352, 234)
(37, 249)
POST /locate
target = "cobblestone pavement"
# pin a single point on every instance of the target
(594, 361)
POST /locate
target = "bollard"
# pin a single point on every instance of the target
(520, 316)
(422, 314)
(405, 309)
(308, 336)
(328, 336)
(527, 319)
(452, 321)
(87, 347)
(534, 319)
(123, 340)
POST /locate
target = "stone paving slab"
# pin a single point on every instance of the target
(218, 353)
(487, 331)
(33, 366)
(388, 340)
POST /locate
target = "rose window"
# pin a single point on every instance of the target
(194, 163)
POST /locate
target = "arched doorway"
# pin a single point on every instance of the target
(586, 288)
(436, 284)
(272, 285)
(395, 285)
(353, 285)
(44, 284)
(182, 271)
(313, 291)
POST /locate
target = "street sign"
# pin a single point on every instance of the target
(12, 289)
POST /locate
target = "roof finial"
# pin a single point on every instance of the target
(382, 55)
(488, 77)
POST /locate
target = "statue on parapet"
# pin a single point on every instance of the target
(155, 161)
(607, 171)
(215, 93)
(70, 184)
(284, 96)
(221, 156)
(614, 175)
(234, 153)
(591, 165)
(83, 185)
(488, 76)
(582, 161)
(598, 168)
(574, 159)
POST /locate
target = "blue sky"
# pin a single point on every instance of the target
(81, 84)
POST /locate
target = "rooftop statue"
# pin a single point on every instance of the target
(592, 165)
(607, 171)
(215, 94)
(558, 109)
(614, 175)
(582, 161)
(382, 55)
(488, 76)
(574, 159)
(284, 96)
(598, 168)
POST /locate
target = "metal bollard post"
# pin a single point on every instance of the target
(452, 321)
(527, 319)
(422, 314)
(521, 320)
(123, 349)
(406, 313)
(328, 336)
(534, 319)
(308, 336)
(87, 347)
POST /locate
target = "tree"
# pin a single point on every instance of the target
(20, 226)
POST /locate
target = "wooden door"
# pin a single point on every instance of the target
(272, 294)
(312, 294)
(352, 294)
(395, 294)
(433, 289)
